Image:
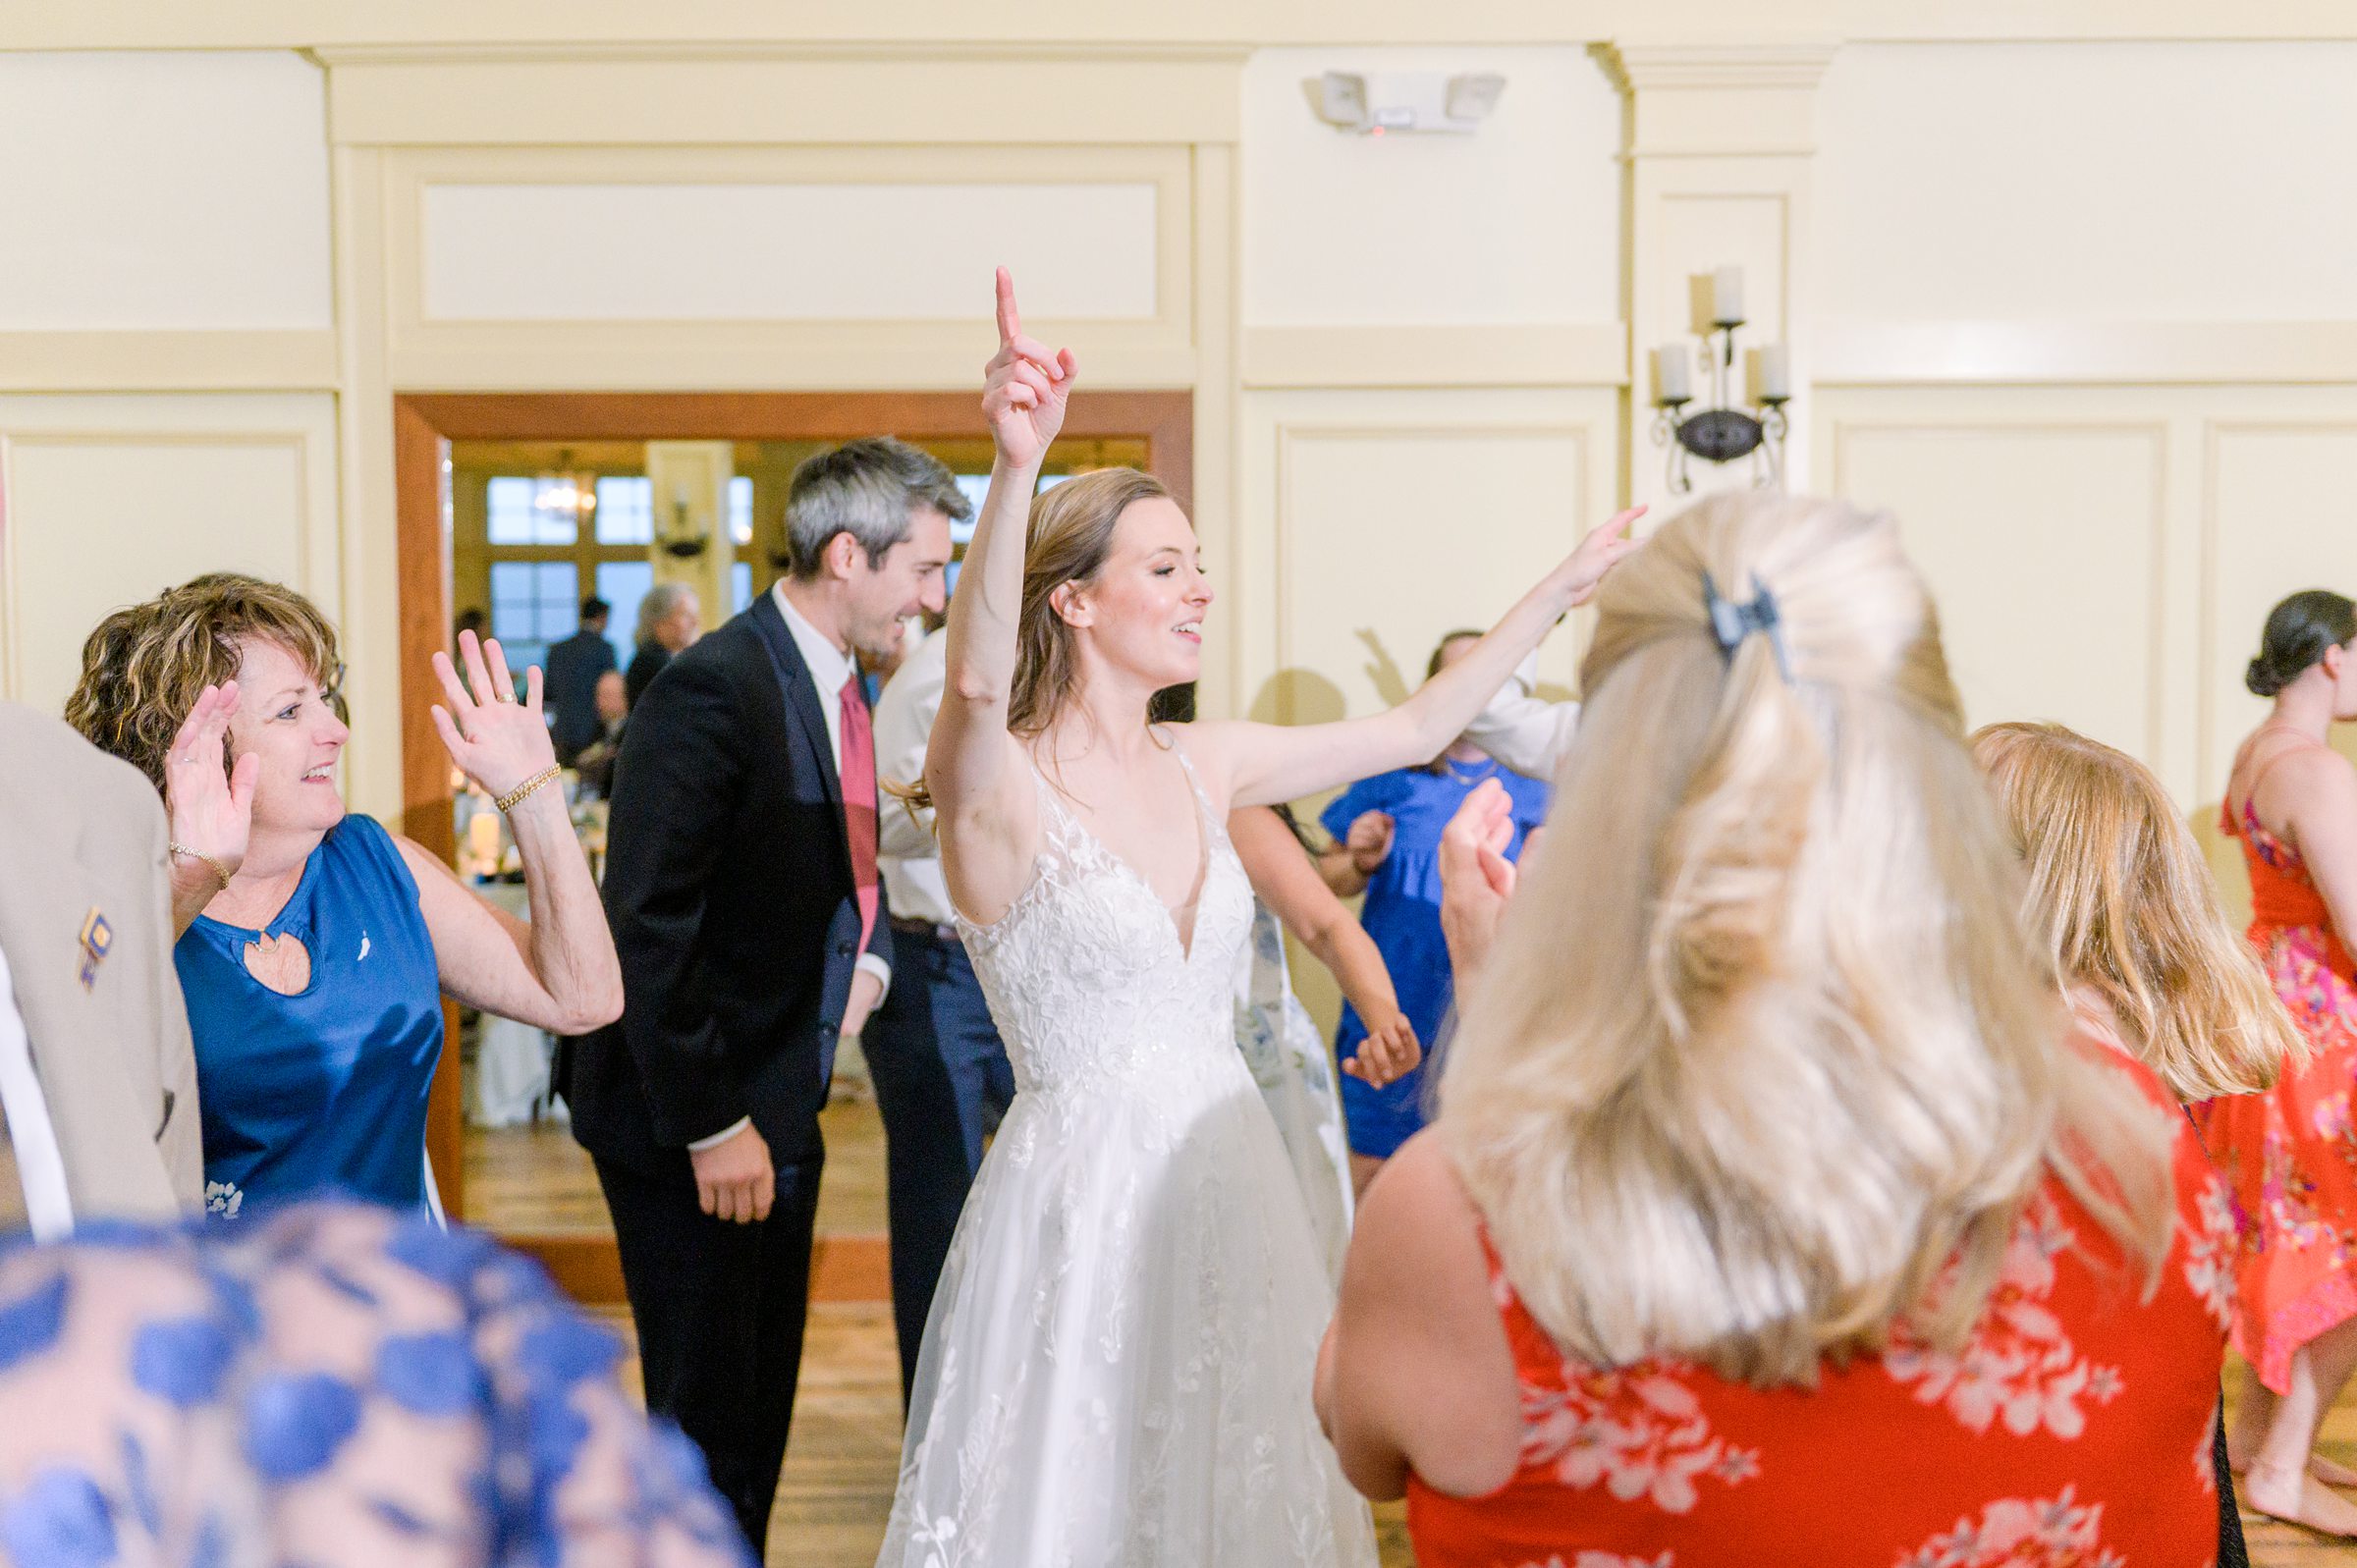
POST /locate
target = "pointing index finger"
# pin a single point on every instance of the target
(1011, 321)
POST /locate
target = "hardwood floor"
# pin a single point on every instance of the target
(837, 1488)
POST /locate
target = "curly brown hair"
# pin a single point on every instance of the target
(143, 668)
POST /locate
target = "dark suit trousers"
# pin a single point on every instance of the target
(942, 1081)
(719, 1310)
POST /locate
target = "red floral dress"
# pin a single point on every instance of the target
(2071, 1431)
(2289, 1153)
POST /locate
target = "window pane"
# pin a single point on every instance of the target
(533, 603)
(976, 486)
(625, 511)
(740, 511)
(509, 512)
(621, 585)
(740, 581)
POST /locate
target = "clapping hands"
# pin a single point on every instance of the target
(497, 741)
(1476, 878)
(1026, 389)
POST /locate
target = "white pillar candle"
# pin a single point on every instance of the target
(1727, 296)
(1673, 374)
(1772, 373)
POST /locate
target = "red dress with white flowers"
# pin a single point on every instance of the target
(2290, 1153)
(2073, 1428)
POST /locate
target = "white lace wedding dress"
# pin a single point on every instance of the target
(1117, 1366)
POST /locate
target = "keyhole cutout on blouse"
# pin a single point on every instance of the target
(280, 962)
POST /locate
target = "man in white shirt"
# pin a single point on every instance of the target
(1523, 731)
(941, 1072)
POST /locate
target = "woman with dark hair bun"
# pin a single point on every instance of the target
(2291, 1151)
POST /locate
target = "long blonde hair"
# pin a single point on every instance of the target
(2122, 901)
(1763, 1048)
(1071, 536)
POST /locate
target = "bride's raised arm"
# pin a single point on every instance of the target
(1268, 762)
(976, 772)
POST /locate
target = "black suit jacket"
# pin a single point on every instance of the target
(728, 888)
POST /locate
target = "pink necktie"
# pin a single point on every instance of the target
(858, 776)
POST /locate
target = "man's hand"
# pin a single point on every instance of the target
(735, 1179)
(866, 992)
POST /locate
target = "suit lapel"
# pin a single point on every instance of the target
(801, 691)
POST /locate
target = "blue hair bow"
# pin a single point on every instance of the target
(1731, 622)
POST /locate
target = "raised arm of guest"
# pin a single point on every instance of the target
(1282, 873)
(1525, 732)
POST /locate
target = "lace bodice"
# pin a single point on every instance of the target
(1085, 974)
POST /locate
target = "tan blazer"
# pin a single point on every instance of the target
(82, 831)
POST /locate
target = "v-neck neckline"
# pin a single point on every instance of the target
(1185, 938)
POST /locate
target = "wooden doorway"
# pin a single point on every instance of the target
(424, 425)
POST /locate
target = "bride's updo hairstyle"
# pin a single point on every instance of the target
(1764, 1046)
(1071, 533)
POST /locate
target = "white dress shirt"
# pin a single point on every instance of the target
(1523, 732)
(905, 715)
(830, 666)
(32, 1137)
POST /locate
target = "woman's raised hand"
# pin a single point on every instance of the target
(1026, 389)
(495, 740)
(1600, 551)
(210, 804)
(1477, 880)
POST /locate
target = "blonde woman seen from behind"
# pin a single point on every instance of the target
(1775, 1212)
(2123, 903)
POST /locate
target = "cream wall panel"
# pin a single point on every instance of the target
(2273, 525)
(111, 499)
(162, 191)
(1519, 222)
(1378, 521)
(2042, 545)
(2101, 181)
(783, 253)
(712, 290)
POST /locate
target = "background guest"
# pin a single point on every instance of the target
(595, 761)
(338, 1385)
(1394, 820)
(670, 618)
(941, 1072)
(93, 1034)
(576, 667)
(313, 943)
(2291, 1153)
(1774, 1196)
(742, 880)
(2123, 903)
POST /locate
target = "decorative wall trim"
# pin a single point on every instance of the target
(134, 361)
(669, 95)
(1577, 353)
(2083, 352)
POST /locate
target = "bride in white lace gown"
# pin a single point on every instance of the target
(1117, 1369)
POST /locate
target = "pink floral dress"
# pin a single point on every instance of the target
(2071, 1431)
(2289, 1153)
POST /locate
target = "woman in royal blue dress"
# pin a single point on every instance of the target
(315, 945)
(1387, 843)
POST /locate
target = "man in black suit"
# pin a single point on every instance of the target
(573, 670)
(741, 884)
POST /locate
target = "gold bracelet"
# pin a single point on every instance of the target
(219, 870)
(514, 796)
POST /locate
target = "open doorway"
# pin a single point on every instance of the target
(474, 474)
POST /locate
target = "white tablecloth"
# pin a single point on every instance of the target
(511, 1059)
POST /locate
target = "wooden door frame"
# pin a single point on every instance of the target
(424, 426)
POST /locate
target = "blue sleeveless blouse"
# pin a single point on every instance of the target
(324, 1090)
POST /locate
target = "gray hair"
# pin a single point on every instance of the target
(660, 603)
(868, 489)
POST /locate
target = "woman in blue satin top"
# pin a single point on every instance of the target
(316, 947)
